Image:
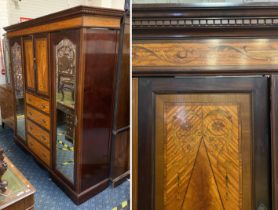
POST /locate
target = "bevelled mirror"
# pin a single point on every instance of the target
(65, 88)
(16, 57)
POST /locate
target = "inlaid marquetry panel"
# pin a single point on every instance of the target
(203, 152)
(208, 53)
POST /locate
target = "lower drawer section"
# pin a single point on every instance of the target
(38, 117)
(39, 150)
(38, 133)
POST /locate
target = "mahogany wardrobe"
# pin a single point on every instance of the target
(69, 78)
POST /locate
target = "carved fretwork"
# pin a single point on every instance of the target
(66, 66)
(17, 69)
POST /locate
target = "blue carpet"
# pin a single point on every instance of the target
(48, 195)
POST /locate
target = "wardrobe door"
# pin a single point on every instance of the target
(18, 87)
(203, 144)
(41, 52)
(65, 50)
(29, 63)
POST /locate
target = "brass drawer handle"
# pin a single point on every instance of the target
(43, 106)
(43, 120)
(30, 113)
(43, 137)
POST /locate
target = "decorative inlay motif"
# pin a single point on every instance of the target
(17, 70)
(66, 66)
(213, 52)
(202, 157)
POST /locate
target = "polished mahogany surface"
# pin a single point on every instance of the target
(101, 57)
(120, 138)
(123, 80)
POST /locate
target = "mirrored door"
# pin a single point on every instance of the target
(65, 104)
(18, 80)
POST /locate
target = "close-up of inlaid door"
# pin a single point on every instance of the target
(203, 143)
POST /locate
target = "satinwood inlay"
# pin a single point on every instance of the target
(208, 53)
(202, 157)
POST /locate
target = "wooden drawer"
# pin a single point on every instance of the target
(38, 133)
(39, 150)
(38, 117)
(39, 103)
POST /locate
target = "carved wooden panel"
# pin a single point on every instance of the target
(209, 54)
(29, 63)
(17, 70)
(205, 161)
(66, 67)
(42, 65)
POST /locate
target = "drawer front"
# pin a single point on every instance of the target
(39, 133)
(39, 103)
(39, 150)
(38, 117)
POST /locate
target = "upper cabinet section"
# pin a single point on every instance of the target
(80, 16)
(36, 64)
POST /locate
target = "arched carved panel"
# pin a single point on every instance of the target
(65, 65)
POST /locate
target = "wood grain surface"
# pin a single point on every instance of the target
(75, 22)
(39, 103)
(41, 47)
(206, 53)
(41, 135)
(38, 117)
(203, 158)
(39, 150)
(29, 63)
(134, 142)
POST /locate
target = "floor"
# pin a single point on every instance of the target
(50, 197)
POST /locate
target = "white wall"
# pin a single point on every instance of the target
(3, 22)
(37, 8)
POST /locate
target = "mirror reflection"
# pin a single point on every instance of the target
(65, 107)
(18, 89)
